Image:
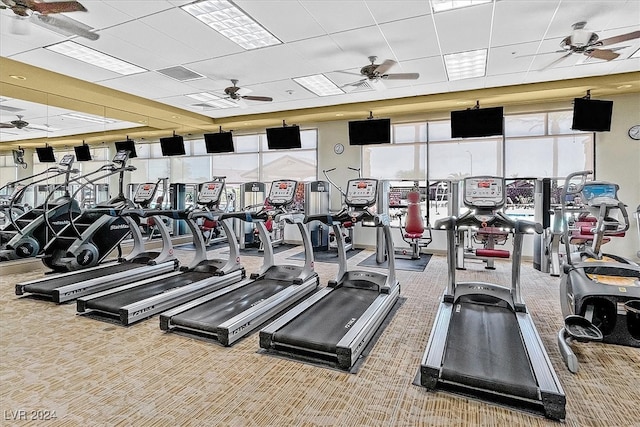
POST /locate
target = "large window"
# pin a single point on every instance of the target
(251, 161)
(535, 145)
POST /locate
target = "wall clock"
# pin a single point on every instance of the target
(634, 132)
(338, 148)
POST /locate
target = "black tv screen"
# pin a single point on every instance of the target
(219, 142)
(83, 154)
(592, 115)
(477, 122)
(283, 138)
(370, 131)
(172, 146)
(127, 145)
(45, 155)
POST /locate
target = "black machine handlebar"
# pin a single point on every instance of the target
(497, 220)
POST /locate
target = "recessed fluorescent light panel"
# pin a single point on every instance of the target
(90, 56)
(319, 84)
(466, 65)
(441, 5)
(232, 22)
(85, 118)
(213, 100)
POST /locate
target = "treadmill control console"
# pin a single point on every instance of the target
(361, 193)
(66, 160)
(144, 193)
(210, 192)
(282, 192)
(484, 192)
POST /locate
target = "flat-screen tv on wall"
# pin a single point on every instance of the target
(479, 122)
(592, 115)
(83, 153)
(370, 131)
(45, 155)
(221, 142)
(172, 146)
(283, 138)
(127, 145)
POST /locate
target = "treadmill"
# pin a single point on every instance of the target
(136, 301)
(483, 342)
(234, 312)
(335, 324)
(138, 265)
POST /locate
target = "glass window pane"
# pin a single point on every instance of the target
(247, 143)
(409, 132)
(439, 131)
(236, 167)
(155, 150)
(300, 165)
(455, 160)
(194, 170)
(198, 147)
(309, 138)
(560, 122)
(394, 161)
(525, 124)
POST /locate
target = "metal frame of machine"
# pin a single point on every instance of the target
(500, 306)
(234, 313)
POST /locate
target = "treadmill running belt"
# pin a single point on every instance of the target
(485, 350)
(325, 323)
(112, 303)
(208, 316)
(46, 286)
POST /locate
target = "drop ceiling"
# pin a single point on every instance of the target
(329, 37)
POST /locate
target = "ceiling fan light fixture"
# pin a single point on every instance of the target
(230, 21)
(319, 84)
(466, 65)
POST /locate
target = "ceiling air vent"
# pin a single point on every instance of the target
(180, 73)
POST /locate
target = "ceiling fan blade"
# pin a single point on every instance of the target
(555, 62)
(606, 54)
(401, 76)
(56, 7)
(44, 128)
(6, 126)
(65, 26)
(385, 66)
(258, 98)
(618, 39)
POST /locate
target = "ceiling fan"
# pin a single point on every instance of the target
(237, 93)
(374, 73)
(22, 124)
(42, 14)
(583, 41)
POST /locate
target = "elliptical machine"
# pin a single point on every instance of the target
(599, 293)
(27, 235)
(89, 238)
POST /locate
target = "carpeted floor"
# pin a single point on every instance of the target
(96, 374)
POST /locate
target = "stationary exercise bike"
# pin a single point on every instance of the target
(599, 293)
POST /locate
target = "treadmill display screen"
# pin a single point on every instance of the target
(144, 193)
(282, 192)
(210, 192)
(361, 192)
(67, 160)
(485, 191)
(591, 191)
